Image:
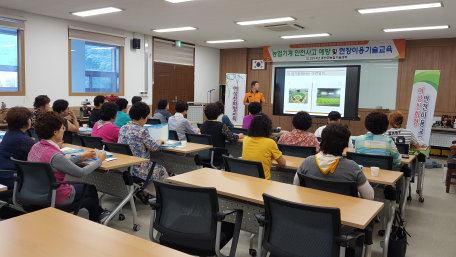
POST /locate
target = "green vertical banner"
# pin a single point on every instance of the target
(422, 104)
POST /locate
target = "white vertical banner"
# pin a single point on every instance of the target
(234, 96)
(422, 104)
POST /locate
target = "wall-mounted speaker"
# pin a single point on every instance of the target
(136, 43)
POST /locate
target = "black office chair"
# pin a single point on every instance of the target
(403, 148)
(91, 124)
(199, 125)
(68, 137)
(173, 135)
(297, 151)
(338, 187)
(295, 230)
(6, 196)
(31, 132)
(319, 139)
(35, 188)
(92, 142)
(368, 160)
(237, 130)
(188, 219)
(211, 157)
(153, 121)
(244, 167)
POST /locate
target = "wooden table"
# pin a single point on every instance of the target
(386, 177)
(355, 212)
(403, 161)
(3, 188)
(3, 125)
(189, 148)
(108, 181)
(54, 233)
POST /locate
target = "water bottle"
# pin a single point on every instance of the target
(3, 106)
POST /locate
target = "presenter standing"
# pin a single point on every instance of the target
(254, 95)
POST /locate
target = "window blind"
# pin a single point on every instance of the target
(167, 52)
(85, 35)
(12, 23)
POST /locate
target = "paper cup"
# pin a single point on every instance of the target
(84, 126)
(374, 171)
(97, 152)
(184, 144)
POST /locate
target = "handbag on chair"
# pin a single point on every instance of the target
(398, 238)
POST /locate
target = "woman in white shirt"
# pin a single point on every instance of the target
(400, 135)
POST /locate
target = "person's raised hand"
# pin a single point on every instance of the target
(102, 156)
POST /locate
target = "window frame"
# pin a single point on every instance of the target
(20, 67)
(121, 75)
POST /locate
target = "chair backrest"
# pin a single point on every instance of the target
(153, 121)
(173, 135)
(92, 142)
(199, 125)
(244, 167)
(35, 183)
(338, 187)
(186, 213)
(297, 151)
(68, 137)
(312, 229)
(201, 139)
(403, 148)
(118, 148)
(369, 160)
(237, 130)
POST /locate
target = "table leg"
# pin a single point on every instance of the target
(420, 184)
(391, 211)
(403, 196)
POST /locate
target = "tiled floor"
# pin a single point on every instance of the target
(431, 224)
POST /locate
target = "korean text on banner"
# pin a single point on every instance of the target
(422, 104)
(351, 50)
(234, 94)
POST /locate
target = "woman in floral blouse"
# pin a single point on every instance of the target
(141, 143)
(302, 122)
(41, 104)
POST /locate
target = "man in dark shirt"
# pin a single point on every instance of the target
(95, 114)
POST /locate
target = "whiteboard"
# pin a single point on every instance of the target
(378, 81)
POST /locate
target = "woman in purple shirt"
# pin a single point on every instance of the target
(254, 109)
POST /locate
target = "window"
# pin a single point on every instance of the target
(11, 57)
(95, 67)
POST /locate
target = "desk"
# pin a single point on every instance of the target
(54, 233)
(178, 160)
(355, 212)
(108, 181)
(3, 188)
(3, 125)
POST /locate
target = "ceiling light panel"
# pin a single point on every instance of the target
(174, 29)
(97, 11)
(225, 41)
(283, 19)
(417, 28)
(401, 8)
(308, 35)
(177, 1)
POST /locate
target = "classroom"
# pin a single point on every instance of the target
(227, 128)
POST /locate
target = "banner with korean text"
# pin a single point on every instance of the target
(234, 96)
(422, 104)
(351, 50)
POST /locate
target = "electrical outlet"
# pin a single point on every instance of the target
(143, 93)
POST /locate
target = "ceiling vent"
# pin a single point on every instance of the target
(284, 27)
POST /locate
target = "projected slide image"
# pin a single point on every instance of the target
(298, 95)
(328, 97)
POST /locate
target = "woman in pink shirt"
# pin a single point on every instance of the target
(254, 109)
(105, 127)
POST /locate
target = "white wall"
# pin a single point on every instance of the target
(207, 68)
(46, 62)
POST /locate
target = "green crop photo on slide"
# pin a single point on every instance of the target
(328, 97)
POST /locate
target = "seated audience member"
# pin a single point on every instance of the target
(134, 100)
(41, 104)
(374, 142)
(298, 136)
(217, 130)
(141, 144)
(162, 112)
(222, 117)
(329, 164)
(333, 117)
(122, 116)
(400, 135)
(16, 143)
(61, 107)
(49, 127)
(105, 127)
(254, 109)
(179, 123)
(259, 147)
(98, 101)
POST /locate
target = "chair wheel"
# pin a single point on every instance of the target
(121, 217)
(252, 252)
(409, 198)
(421, 199)
(381, 232)
(136, 227)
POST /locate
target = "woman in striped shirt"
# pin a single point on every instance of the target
(400, 135)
